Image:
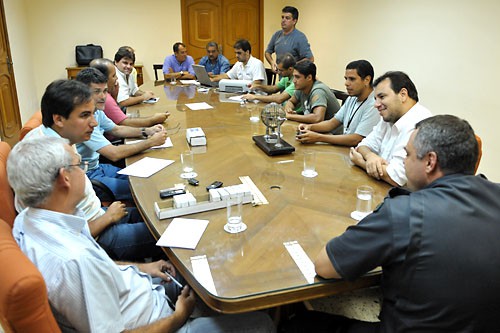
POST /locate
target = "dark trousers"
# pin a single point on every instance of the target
(321, 322)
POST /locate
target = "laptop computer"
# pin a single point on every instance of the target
(202, 76)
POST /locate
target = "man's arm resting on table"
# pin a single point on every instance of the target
(116, 153)
(133, 100)
(324, 266)
(219, 77)
(121, 131)
(374, 165)
(266, 88)
(157, 118)
(317, 115)
(276, 98)
(348, 140)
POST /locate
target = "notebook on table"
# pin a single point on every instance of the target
(202, 76)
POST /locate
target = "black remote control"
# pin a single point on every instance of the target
(170, 192)
(215, 184)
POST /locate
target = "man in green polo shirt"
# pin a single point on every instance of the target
(285, 86)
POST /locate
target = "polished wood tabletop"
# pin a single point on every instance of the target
(253, 269)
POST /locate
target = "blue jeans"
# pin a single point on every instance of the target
(130, 239)
(108, 175)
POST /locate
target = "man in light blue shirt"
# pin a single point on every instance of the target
(87, 291)
(178, 65)
(99, 145)
(214, 62)
(357, 115)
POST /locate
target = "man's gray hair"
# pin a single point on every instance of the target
(33, 166)
(452, 139)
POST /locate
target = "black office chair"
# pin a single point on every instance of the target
(341, 95)
(271, 77)
(157, 67)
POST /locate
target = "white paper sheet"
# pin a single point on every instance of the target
(183, 233)
(145, 167)
(168, 143)
(196, 83)
(202, 273)
(199, 106)
(236, 98)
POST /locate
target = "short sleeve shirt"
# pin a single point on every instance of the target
(254, 70)
(358, 117)
(113, 111)
(185, 66)
(88, 149)
(295, 43)
(128, 86)
(220, 66)
(320, 95)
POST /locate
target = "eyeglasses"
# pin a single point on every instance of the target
(84, 165)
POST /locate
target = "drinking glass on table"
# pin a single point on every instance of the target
(187, 162)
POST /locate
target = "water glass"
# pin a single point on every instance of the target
(309, 164)
(187, 162)
(234, 209)
(364, 199)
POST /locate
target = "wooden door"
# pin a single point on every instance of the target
(223, 21)
(10, 119)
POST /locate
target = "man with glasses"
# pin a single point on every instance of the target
(357, 115)
(98, 144)
(247, 67)
(285, 86)
(68, 112)
(88, 292)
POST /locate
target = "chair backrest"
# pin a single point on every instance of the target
(33, 122)
(8, 211)
(24, 304)
(480, 151)
(271, 77)
(341, 95)
(157, 67)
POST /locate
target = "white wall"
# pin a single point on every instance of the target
(449, 47)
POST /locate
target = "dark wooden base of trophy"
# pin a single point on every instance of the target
(270, 148)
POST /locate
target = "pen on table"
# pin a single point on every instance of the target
(174, 280)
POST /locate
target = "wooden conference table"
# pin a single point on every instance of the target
(253, 269)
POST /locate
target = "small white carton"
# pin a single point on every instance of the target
(196, 137)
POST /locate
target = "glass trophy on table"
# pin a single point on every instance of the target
(273, 116)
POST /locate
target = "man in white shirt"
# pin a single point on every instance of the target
(129, 93)
(382, 152)
(247, 67)
(88, 292)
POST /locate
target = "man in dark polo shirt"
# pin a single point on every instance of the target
(437, 243)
